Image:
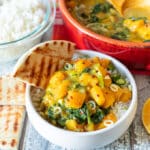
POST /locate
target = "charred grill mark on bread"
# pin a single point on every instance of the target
(56, 53)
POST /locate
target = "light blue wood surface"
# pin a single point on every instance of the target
(135, 138)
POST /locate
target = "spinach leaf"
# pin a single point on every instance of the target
(78, 114)
(61, 121)
(86, 70)
(54, 112)
(51, 114)
(106, 7)
(96, 8)
(111, 67)
(101, 7)
(98, 116)
(119, 36)
(106, 110)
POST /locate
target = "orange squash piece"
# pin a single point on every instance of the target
(146, 115)
(126, 95)
(109, 98)
(81, 64)
(104, 62)
(107, 81)
(61, 90)
(75, 99)
(97, 94)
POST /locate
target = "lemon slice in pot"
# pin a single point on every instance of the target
(135, 3)
(137, 12)
(136, 8)
(118, 5)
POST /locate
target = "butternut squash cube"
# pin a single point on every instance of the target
(75, 99)
(87, 79)
(57, 78)
(109, 98)
(97, 94)
(81, 64)
(126, 95)
(61, 90)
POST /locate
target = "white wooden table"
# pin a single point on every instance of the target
(135, 138)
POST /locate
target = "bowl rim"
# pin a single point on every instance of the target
(74, 22)
(133, 103)
(33, 34)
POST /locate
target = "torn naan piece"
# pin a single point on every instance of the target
(39, 63)
(11, 125)
(12, 91)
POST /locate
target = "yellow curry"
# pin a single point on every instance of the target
(80, 96)
(100, 17)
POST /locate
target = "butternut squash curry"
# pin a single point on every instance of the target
(80, 96)
(100, 17)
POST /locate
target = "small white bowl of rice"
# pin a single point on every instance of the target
(22, 25)
(91, 139)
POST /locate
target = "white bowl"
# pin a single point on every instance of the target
(85, 140)
(14, 49)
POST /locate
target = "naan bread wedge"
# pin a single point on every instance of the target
(39, 63)
(12, 91)
(11, 125)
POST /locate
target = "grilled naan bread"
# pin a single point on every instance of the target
(11, 124)
(12, 91)
(38, 64)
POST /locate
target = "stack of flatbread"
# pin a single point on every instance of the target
(12, 91)
(35, 68)
(39, 63)
(12, 112)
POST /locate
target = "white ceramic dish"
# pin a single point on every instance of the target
(85, 140)
(12, 50)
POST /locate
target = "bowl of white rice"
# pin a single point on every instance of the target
(22, 25)
(125, 113)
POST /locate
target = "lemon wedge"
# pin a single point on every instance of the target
(146, 115)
